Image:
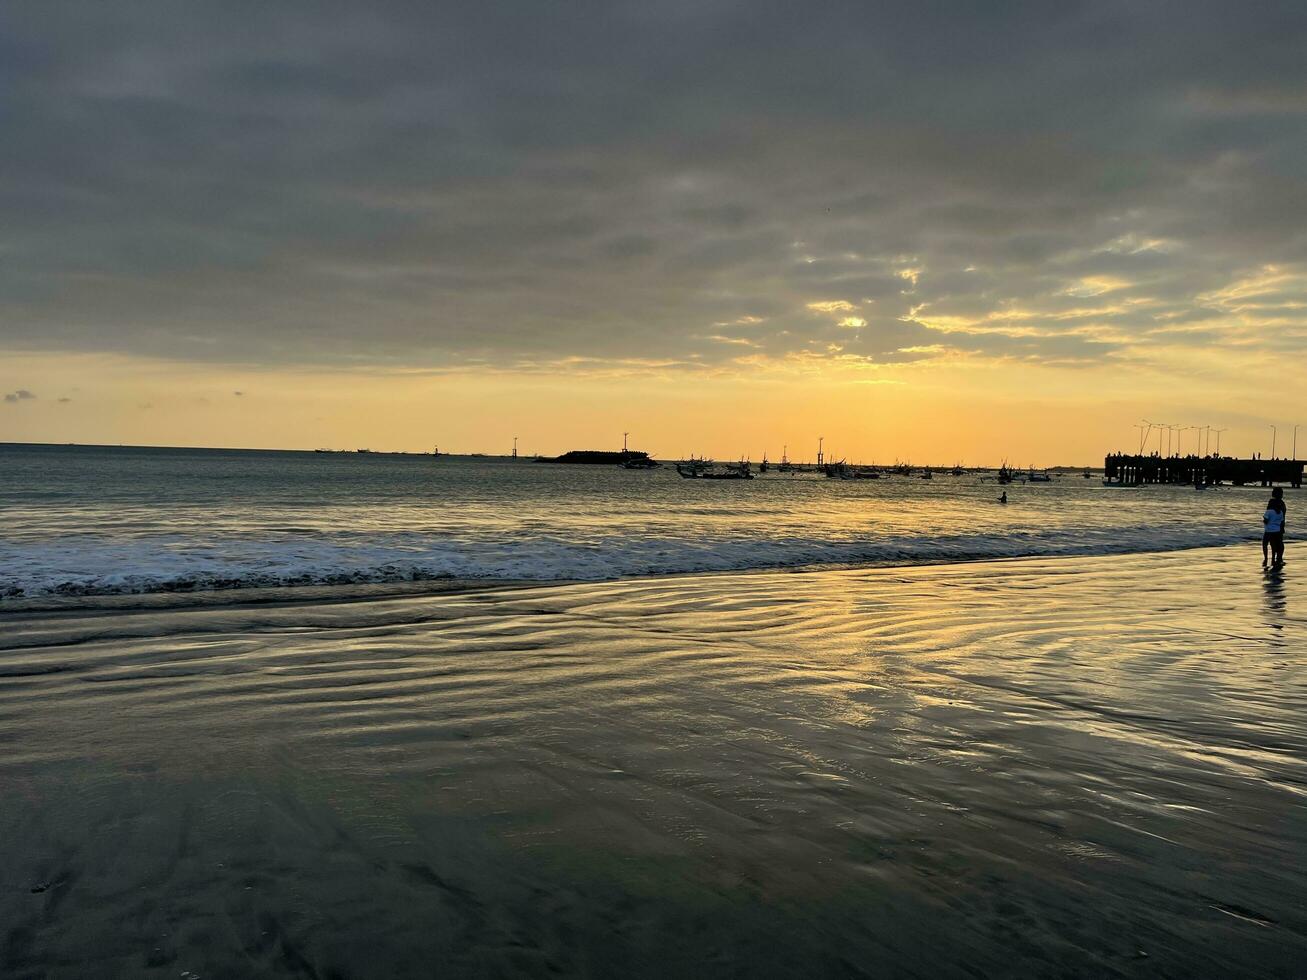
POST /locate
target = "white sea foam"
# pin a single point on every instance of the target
(87, 565)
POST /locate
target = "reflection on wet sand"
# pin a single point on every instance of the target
(1059, 767)
(1277, 602)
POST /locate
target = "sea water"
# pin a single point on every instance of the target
(79, 520)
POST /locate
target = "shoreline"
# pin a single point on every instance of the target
(164, 598)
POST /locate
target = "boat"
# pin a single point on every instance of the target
(640, 463)
(691, 468)
(957, 469)
(926, 474)
(727, 475)
(762, 467)
(699, 470)
(871, 474)
(1086, 474)
(838, 471)
(1038, 476)
(1005, 474)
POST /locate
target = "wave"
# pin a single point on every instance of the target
(84, 566)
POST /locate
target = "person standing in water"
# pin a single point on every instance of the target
(1273, 528)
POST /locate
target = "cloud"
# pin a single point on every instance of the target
(445, 185)
(831, 306)
(21, 395)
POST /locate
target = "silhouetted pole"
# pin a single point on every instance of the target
(1159, 426)
(1272, 442)
(1295, 442)
(1218, 440)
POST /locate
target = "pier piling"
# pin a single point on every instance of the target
(1133, 470)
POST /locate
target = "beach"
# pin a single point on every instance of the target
(1073, 766)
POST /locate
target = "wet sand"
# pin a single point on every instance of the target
(1067, 767)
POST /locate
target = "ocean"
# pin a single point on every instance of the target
(82, 520)
(1085, 764)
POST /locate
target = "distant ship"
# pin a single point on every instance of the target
(700, 470)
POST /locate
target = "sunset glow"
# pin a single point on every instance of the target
(405, 251)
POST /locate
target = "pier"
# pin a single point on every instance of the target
(1133, 470)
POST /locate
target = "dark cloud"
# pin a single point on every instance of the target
(523, 183)
(21, 395)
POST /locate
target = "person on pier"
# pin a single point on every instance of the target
(1273, 528)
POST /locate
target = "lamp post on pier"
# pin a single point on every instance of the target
(1159, 426)
(1272, 442)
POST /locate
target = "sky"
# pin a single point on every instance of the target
(922, 230)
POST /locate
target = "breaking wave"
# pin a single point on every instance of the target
(89, 565)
